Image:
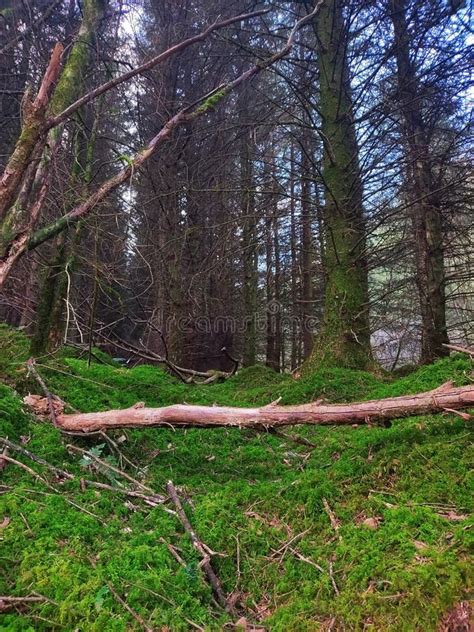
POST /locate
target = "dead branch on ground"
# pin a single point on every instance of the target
(201, 548)
(274, 416)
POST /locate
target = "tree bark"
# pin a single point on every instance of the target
(344, 339)
(34, 114)
(425, 210)
(445, 397)
(306, 250)
(249, 232)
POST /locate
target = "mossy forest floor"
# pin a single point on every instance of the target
(247, 496)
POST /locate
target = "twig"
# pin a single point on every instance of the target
(123, 603)
(3, 463)
(173, 552)
(49, 396)
(334, 521)
(460, 349)
(109, 466)
(29, 470)
(282, 550)
(298, 555)
(114, 446)
(150, 499)
(134, 614)
(292, 437)
(19, 600)
(333, 581)
(36, 459)
(84, 510)
(153, 500)
(465, 416)
(200, 548)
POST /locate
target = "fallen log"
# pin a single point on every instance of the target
(274, 416)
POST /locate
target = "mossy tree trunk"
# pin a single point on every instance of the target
(425, 203)
(344, 339)
(52, 296)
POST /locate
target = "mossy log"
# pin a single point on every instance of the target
(378, 411)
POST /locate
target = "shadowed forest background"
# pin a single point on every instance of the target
(324, 203)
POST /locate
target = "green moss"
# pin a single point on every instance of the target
(68, 87)
(211, 102)
(250, 495)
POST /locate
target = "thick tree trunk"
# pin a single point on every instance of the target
(50, 320)
(344, 339)
(445, 397)
(425, 210)
(49, 310)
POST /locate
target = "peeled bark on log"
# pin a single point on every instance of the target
(274, 416)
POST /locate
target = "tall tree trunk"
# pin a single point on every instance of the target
(50, 312)
(425, 204)
(344, 339)
(249, 247)
(294, 266)
(306, 253)
(278, 280)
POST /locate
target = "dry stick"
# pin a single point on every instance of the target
(469, 352)
(19, 600)
(298, 555)
(284, 547)
(134, 614)
(49, 396)
(29, 470)
(45, 482)
(36, 459)
(173, 552)
(292, 437)
(109, 467)
(152, 500)
(200, 548)
(122, 602)
(332, 518)
(114, 446)
(3, 463)
(333, 581)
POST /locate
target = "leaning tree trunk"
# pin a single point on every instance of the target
(50, 311)
(425, 204)
(444, 398)
(345, 334)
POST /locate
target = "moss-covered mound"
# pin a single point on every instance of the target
(402, 498)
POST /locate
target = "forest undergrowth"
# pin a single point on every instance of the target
(371, 529)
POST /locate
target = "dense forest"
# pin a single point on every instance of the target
(218, 219)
